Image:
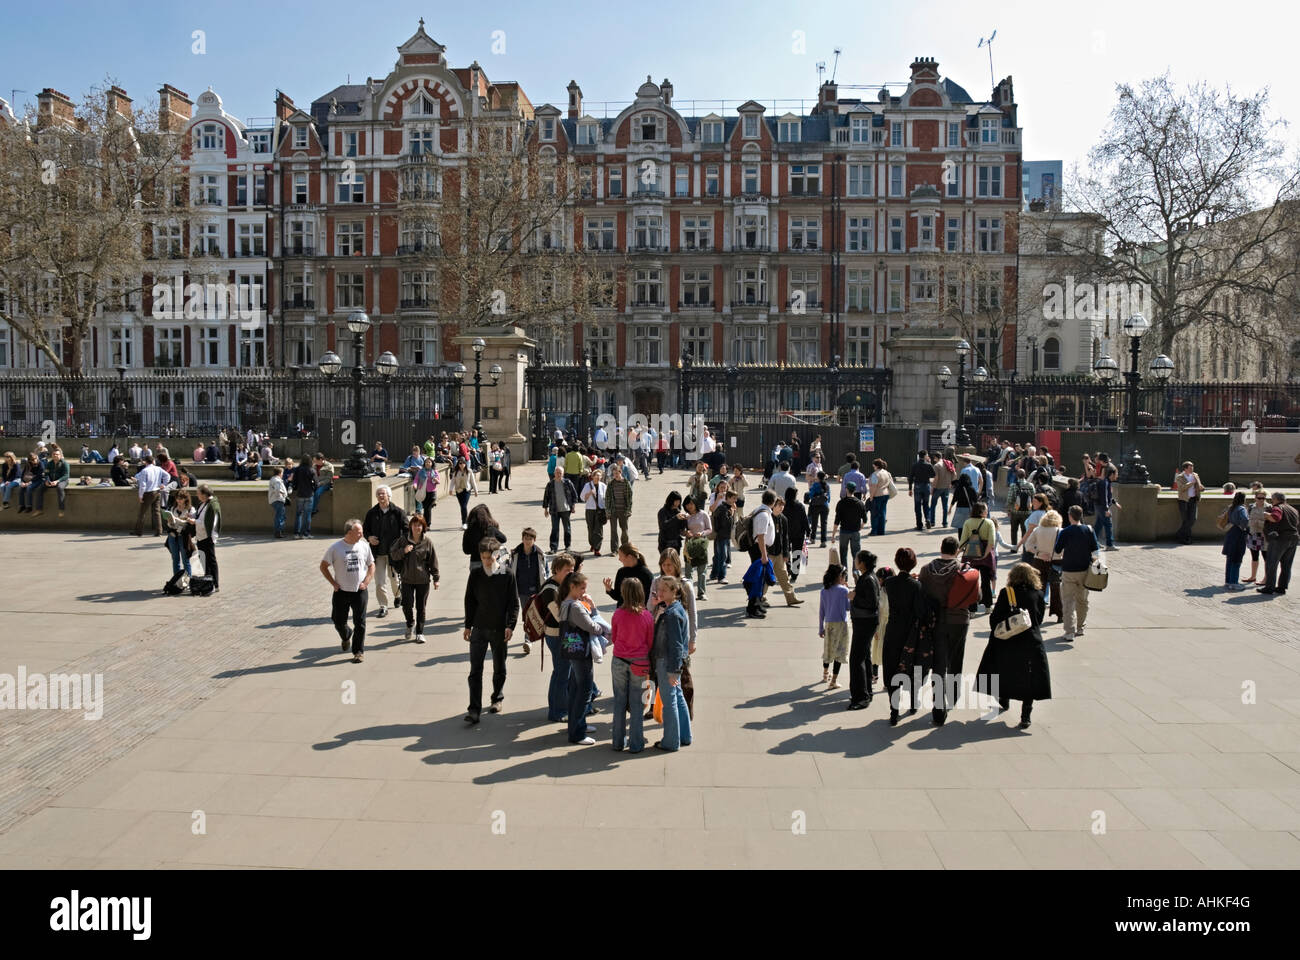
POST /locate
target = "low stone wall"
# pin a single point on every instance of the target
(1150, 513)
(243, 507)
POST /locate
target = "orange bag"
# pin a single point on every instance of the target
(659, 706)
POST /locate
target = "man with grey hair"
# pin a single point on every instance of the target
(558, 502)
(384, 523)
(349, 566)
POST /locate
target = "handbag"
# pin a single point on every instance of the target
(891, 488)
(419, 493)
(1097, 576)
(1222, 520)
(1014, 625)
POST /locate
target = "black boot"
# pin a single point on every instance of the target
(1025, 709)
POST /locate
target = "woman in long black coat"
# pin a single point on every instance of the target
(906, 608)
(672, 523)
(796, 519)
(1019, 663)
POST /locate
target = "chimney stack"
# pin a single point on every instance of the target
(666, 88)
(828, 97)
(118, 102)
(54, 107)
(925, 68)
(284, 107)
(575, 100)
(174, 108)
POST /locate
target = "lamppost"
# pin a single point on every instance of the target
(979, 376)
(479, 346)
(121, 400)
(385, 366)
(1132, 469)
(587, 357)
(682, 369)
(292, 416)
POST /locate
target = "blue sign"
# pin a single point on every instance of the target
(866, 439)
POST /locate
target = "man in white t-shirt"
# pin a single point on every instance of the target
(764, 530)
(150, 482)
(349, 566)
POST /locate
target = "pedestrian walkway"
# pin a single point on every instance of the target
(236, 733)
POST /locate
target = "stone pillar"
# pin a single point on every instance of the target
(916, 356)
(504, 415)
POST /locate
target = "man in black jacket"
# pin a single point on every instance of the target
(384, 523)
(302, 482)
(850, 515)
(558, 501)
(919, 484)
(491, 609)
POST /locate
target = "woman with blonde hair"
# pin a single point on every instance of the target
(670, 565)
(1014, 665)
(1039, 546)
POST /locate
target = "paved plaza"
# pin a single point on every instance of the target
(1173, 740)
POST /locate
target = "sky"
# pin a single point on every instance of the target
(1065, 59)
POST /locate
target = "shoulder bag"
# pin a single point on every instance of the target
(1097, 576)
(1015, 624)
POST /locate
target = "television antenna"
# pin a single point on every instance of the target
(836, 65)
(989, 43)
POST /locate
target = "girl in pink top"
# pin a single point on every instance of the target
(632, 632)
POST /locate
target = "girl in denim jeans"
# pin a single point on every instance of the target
(633, 634)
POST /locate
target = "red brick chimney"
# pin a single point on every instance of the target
(284, 107)
(575, 100)
(118, 102)
(174, 108)
(54, 107)
(925, 68)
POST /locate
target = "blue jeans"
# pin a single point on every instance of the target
(557, 518)
(302, 524)
(878, 506)
(180, 559)
(921, 502)
(721, 557)
(277, 509)
(1102, 522)
(627, 693)
(9, 488)
(320, 492)
(677, 719)
(935, 496)
(959, 517)
(557, 695)
(580, 687)
(849, 538)
(1232, 572)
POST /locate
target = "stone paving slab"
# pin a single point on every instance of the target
(233, 705)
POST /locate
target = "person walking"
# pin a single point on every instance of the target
(462, 485)
(276, 495)
(978, 545)
(632, 632)
(937, 578)
(1103, 501)
(551, 597)
(723, 519)
(796, 521)
(780, 552)
(416, 563)
(964, 496)
(559, 500)
(818, 499)
(303, 481)
(904, 599)
(1281, 534)
(1078, 547)
(850, 474)
(425, 485)
(384, 523)
(594, 510)
(349, 566)
(207, 529)
(481, 526)
(150, 481)
(1234, 540)
(1039, 551)
(762, 538)
(782, 480)
(833, 623)
(1188, 484)
(945, 472)
(618, 505)
(528, 564)
(491, 610)
(580, 628)
(1015, 667)
(864, 614)
(737, 483)
(695, 552)
(920, 484)
(850, 515)
(669, 653)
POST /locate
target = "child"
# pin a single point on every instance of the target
(632, 632)
(833, 623)
(276, 495)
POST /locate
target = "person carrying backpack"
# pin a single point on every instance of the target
(979, 545)
(1019, 493)
(818, 499)
(953, 587)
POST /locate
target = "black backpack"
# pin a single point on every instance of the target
(201, 586)
(175, 586)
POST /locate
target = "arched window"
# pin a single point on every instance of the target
(1051, 354)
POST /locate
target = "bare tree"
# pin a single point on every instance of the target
(1197, 195)
(506, 251)
(968, 292)
(73, 217)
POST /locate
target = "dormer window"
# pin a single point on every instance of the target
(261, 142)
(750, 127)
(548, 129)
(788, 131)
(211, 136)
(860, 129)
(989, 129)
(712, 131)
(300, 137)
(650, 127)
(587, 134)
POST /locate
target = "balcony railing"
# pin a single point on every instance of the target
(695, 305)
(208, 202)
(300, 250)
(417, 158)
(657, 304)
(411, 249)
(751, 302)
(419, 195)
(799, 245)
(417, 303)
(300, 303)
(645, 191)
(648, 248)
(805, 191)
(812, 303)
(697, 246)
(751, 198)
(207, 252)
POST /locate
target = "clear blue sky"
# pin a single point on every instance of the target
(1065, 59)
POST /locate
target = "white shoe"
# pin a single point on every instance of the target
(464, 526)
(586, 741)
(419, 638)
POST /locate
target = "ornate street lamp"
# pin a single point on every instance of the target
(980, 375)
(331, 364)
